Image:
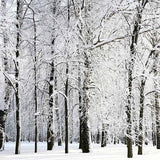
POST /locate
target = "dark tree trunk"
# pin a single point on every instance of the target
(80, 125)
(115, 139)
(153, 130)
(80, 107)
(50, 133)
(18, 42)
(140, 137)
(66, 88)
(146, 138)
(103, 140)
(154, 138)
(98, 137)
(35, 81)
(66, 111)
(157, 119)
(156, 97)
(3, 116)
(85, 132)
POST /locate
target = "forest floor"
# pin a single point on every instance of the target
(111, 152)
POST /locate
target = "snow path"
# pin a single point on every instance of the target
(111, 152)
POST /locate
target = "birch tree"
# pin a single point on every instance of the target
(19, 14)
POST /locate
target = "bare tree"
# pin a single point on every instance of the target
(134, 41)
(19, 14)
(50, 132)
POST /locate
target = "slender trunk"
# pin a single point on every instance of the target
(18, 42)
(50, 133)
(66, 111)
(157, 119)
(136, 134)
(153, 128)
(59, 137)
(66, 88)
(103, 140)
(157, 107)
(98, 137)
(146, 137)
(80, 108)
(140, 137)
(71, 120)
(35, 82)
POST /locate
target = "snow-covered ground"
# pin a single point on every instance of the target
(111, 152)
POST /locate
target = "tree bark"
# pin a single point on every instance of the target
(156, 97)
(35, 82)
(157, 119)
(103, 141)
(3, 116)
(66, 111)
(98, 137)
(140, 137)
(50, 131)
(19, 13)
(80, 108)
(59, 137)
(153, 128)
(85, 135)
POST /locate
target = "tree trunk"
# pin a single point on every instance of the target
(80, 107)
(3, 116)
(85, 135)
(134, 40)
(153, 129)
(98, 137)
(5, 52)
(57, 114)
(18, 42)
(35, 81)
(140, 137)
(156, 97)
(66, 111)
(157, 119)
(103, 141)
(50, 133)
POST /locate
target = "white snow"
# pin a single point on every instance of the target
(111, 152)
